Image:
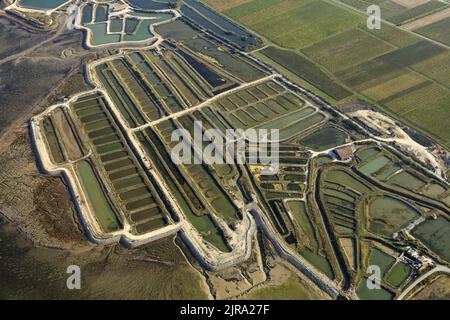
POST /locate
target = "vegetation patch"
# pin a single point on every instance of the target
(307, 70)
(399, 273)
(435, 234)
(388, 215)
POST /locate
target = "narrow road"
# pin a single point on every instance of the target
(439, 268)
(205, 103)
(60, 30)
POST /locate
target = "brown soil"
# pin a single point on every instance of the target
(439, 289)
(40, 206)
(422, 22)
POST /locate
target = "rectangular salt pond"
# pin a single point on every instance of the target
(100, 36)
(374, 165)
(41, 4)
(97, 199)
(435, 234)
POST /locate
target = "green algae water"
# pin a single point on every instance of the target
(96, 197)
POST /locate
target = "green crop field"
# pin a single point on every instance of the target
(437, 31)
(308, 70)
(327, 46)
(347, 48)
(399, 273)
(293, 24)
(428, 106)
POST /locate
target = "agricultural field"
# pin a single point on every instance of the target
(400, 11)
(437, 31)
(296, 23)
(403, 74)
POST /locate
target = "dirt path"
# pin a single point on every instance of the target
(20, 125)
(410, 3)
(392, 133)
(60, 30)
(341, 4)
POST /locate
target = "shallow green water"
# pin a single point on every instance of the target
(398, 274)
(324, 139)
(287, 119)
(389, 215)
(300, 126)
(142, 32)
(374, 165)
(387, 171)
(41, 4)
(102, 209)
(365, 293)
(434, 190)
(345, 179)
(203, 224)
(407, 180)
(366, 153)
(381, 259)
(298, 208)
(116, 25)
(319, 262)
(435, 234)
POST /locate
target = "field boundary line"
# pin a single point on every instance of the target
(205, 103)
(339, 3)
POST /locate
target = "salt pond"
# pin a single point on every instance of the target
(41, 4)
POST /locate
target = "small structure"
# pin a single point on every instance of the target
(117, 7)
(418, 260)
(344, 153)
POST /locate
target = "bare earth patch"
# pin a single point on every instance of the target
(349, 249)
(432, 18)
(391, 132)
(410, 3)
(437, 290)
(222, 5)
